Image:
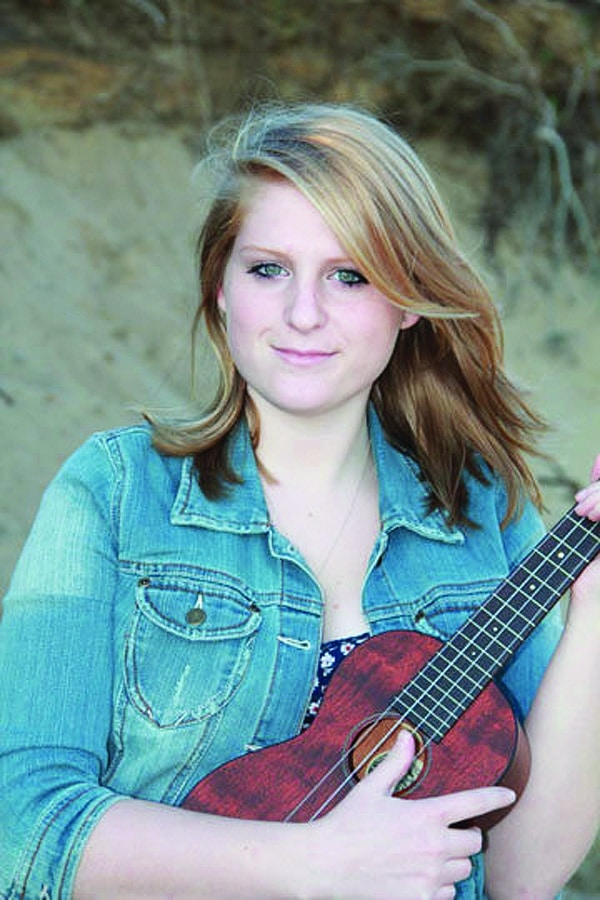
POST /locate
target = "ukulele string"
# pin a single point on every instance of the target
(352, 772)
(375, 750)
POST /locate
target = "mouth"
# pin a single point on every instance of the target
(303, 357)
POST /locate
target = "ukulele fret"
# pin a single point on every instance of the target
(441, 692)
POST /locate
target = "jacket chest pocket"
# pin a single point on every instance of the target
(188, 648)
(447, 608)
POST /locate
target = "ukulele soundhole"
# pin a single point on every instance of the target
(373, 740)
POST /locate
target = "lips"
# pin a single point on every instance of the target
(303, 357)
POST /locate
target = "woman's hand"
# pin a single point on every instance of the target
(586, 589)
(376, 846)
(588, 499)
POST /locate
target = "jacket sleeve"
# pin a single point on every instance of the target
(56, 652)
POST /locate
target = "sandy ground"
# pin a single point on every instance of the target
(97, 294)
(96, 266)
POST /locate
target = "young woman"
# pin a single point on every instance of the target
(360, 470)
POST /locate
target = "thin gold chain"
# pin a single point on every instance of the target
(323, 564)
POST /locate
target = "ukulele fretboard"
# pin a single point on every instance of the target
(435, 699)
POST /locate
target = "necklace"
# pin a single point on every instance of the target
(323, 564)
(319, 568)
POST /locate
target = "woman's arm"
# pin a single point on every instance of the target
(536, 848)
(371, 846)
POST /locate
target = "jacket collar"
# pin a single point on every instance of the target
(243, 510)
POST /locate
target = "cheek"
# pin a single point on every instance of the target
(383, 328)
(235, 332)
(379, 334)
(386, 350)
(244, 326)
(243, 320)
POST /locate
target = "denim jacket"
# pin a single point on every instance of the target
(110, 686)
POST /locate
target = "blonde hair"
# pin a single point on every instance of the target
(444, 397)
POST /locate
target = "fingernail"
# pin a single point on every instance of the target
(404, 737)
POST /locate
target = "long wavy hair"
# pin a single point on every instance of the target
(444, 397)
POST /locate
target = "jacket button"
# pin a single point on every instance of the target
(195, 616)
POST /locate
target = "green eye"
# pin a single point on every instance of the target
(349, 277)
(266, 270)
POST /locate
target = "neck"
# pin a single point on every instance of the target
(313, 450)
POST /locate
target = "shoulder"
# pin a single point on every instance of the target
(126, 455)
(488, 500)
(131, 440)
(118, 445)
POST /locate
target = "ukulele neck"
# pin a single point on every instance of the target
(478, 651)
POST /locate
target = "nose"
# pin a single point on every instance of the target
(305, 310)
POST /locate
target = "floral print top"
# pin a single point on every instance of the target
(332, 654)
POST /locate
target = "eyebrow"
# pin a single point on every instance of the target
(282, 254)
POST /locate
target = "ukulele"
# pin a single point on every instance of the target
(465, 731)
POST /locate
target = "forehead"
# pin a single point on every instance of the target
(279, 210)
(259, 194)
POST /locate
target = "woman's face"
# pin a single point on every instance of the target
(305, 329)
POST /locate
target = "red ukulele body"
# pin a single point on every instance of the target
(306, 776)
(466, 734)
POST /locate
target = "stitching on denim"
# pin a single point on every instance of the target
(294, 642)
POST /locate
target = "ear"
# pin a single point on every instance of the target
(408, 320)
(221, 300)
